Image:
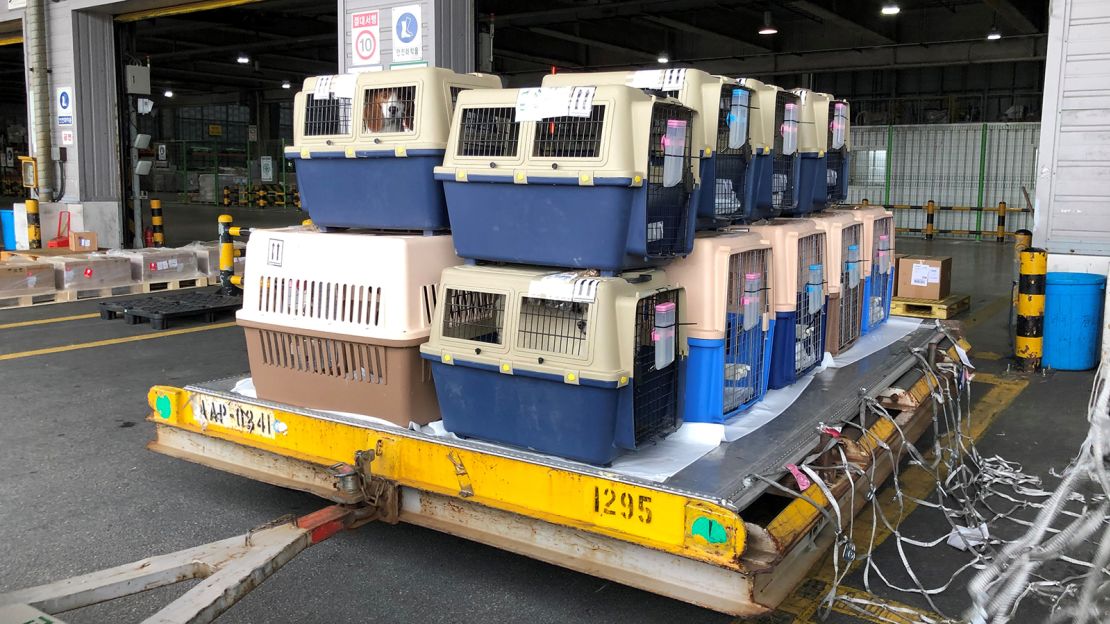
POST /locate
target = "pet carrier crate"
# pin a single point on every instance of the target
(878, 271)
(585, 177)
(730, 323)
(160, 264)
(90, 271)
(786, 189)
(811, 193)
(365, 146)
(799, 254)
(567, 364)
(334, 321)
(843, 277)
(722, 149)
(838, 158)
(764, 135)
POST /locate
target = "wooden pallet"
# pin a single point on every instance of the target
(193, 282)
(40, 254)
(929, 308)
(83, 294)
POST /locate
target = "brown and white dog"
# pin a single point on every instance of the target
(386, 112)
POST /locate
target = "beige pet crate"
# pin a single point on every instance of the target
(91, 271)
(728, 283)
(160, 265)
(333, 321)
(365, 144)
(799, 252)
(838, 158)
(844, 277)
(776, 115)
(568, 364)
(878, 270)
(21, 278)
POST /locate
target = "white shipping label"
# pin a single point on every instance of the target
(674, 79)
(343, 86)
(658, 79)
(323, 87)
(173, 263)
(581, 102)
(546, 102)
(163, 265)
(565, 287)
(934, 275)
(919, 276)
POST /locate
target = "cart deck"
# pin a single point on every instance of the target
(711, 534)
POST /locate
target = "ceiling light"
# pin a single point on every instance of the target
(285, 84)
(768, 28)
(168, 93)
(243, 59)
(994, 35)
(890, 8)
(663, 58)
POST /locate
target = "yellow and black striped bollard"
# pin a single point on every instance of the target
(1000, 233)
(34, 232)
(1029, 330)
(156, 223)
(930, 216)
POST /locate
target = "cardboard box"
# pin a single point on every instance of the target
(82, 241)
(897, 258)
(925, 277)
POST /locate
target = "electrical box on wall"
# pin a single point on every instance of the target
(138, 79)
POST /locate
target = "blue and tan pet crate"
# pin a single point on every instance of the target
(838, 158)
(799, 254)
(778, 114)
(723, 150)
(589, 177)
(843, 276)
(813, 144)
(764, 137)
(567, 364)
(730, 323)
(365, 146)
(334, 321)
(878, 272)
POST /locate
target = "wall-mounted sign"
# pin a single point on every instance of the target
(65, 106)
(406, 34)
(366, 47)
(215, 130)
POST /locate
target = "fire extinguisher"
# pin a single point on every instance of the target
(148, 237)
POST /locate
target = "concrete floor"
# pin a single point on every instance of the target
(78, 492)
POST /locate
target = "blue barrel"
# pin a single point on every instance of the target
(1072, 320)
(7, 228)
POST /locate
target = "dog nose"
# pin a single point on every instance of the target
(392, 110)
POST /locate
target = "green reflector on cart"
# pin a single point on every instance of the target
(162, 404)
(710, 530)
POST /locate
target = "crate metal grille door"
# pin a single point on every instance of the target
(850, 310)
(654, 392)
(570, 137)
(880, 281)
(474, 315)
(343, 359)
(744, 361)
(389, 109)
(834, 160)
(327, 116)
(490, 131)
(670, 179)
(785, 150)
(733, 153)
(811, 251)
(558, 327)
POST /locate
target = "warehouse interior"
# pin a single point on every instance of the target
(962, 140)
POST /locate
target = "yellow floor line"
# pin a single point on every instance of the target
(114, 341)
(987, 355)
(46, 321)
(804, 604)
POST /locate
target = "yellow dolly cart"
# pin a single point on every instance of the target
(720, 533)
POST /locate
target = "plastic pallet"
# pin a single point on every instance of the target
(161, 309)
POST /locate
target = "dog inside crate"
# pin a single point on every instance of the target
(570, 137)
(389, 109)
(489, 131)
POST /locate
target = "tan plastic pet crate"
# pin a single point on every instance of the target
(775, 116)
(838, 158)
(878, 270)
(844, 277)
(567, 364)
(812, 191)
(728, 286)
(365, 145)
(799, 253)
(333, 321)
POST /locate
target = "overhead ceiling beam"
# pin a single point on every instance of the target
(668, 22)
(1012, 16)
(257, 46)
(870, 37)
(544, 61)
(594, 43)
(625, 8)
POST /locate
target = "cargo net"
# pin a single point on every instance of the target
(557, 327)
(733, 152)
(342, 359)
(654, 390)
(851, 284)
(882, 271)
(1024, 548)
(835, 187)
(570, 137)
(389, 110)
(808, 343)
(670, 179)
(489, 132)
(745, 338)
(474, 315)
(327, 117)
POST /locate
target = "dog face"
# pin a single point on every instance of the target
(386, 112)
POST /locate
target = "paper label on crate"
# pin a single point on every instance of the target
(339, 86)
(919, 276)
(323, 87)
(163, 265)
(565, 287)
(659, 79)
(546, 102)
(934, 275)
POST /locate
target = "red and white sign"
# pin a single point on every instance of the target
(365, 43)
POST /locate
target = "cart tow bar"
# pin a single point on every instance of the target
(229, 569)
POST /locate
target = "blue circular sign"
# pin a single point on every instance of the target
(63, 99)
(407, 27)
